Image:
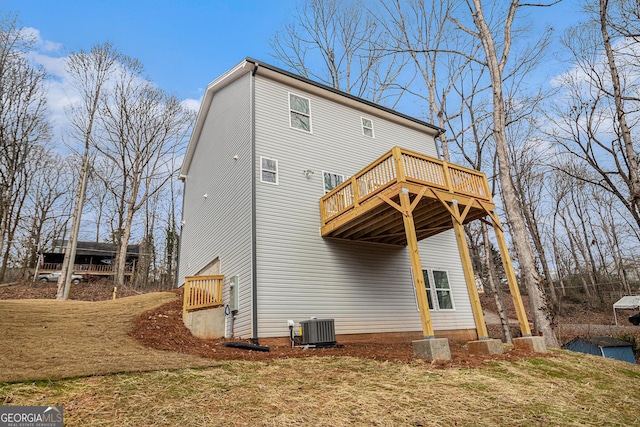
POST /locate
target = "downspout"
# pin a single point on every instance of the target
(254, 269)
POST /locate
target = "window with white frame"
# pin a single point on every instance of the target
(438, 289)
(367, 127)
(268, 170)
(331, 181)
(299, 113)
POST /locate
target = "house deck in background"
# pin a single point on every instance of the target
(92, 259)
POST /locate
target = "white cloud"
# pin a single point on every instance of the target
(55, 66)
(597, 65)
(40, 43)
(61, 93)
(191, 104)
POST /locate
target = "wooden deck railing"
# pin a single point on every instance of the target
(85, 268)
(202, 292)
(400, 165)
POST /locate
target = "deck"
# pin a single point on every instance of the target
(404, 197)
(367, 207)
(86, 269)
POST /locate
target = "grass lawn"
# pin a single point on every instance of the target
(117, 381)
(568, 390)
(49, 339)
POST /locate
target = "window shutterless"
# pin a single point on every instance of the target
(331, 181)
(299, 112)
(268, 170)
(367, 127)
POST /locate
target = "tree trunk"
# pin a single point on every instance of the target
(529, 274)
(122, 250)
(630, 150)
(495, 290)
(537, 242)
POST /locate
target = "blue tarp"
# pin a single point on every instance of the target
(603, 346)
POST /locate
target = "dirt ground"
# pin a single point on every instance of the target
(162, 329)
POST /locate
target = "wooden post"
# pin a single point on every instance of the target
(397, 158)
(469, 277)
(186, 296)
(511, 278)
(416, 267)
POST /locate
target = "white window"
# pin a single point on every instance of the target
(268, 170)
(367, 127)
(438, 289)
(331, 181)
(299, 113)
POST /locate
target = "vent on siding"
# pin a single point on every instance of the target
(319, 332)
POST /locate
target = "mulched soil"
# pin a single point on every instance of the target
(162, 329)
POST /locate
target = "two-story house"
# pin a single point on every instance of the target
(267, 146)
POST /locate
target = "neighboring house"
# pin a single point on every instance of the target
(92, 258)
(609, 347)
(266, 147)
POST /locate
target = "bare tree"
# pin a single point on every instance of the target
(89, 72)
(423, 31)
(595, 119)
(23, 127)
(47, 191)
(496, 63)
(339, 43)
(142, 128)
(170, 235)
(530, 173)
(101, 203)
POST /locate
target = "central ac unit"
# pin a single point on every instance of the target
(318, 332)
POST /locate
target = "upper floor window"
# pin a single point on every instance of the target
(268, 170)
(299, 113)
(367, 127)
(437, 285)
(331, 181)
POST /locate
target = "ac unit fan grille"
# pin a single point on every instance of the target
(318, 332)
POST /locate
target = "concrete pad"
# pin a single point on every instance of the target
(485, 347)
(206, 324)
(535, 344)
(432, 349)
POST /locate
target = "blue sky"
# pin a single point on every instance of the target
(183, 44)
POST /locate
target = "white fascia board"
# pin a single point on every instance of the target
(224, 80)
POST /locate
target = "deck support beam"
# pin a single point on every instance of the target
(469, 277)
(416, 266)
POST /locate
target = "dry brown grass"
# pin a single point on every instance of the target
(45, 340)
(570, 390)
(48, 339)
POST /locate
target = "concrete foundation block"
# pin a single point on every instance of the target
(206, 324)
(485, 347)
(535, 344)
(432, 349)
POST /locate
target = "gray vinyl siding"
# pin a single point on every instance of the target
(220, 224)
(365, 287)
